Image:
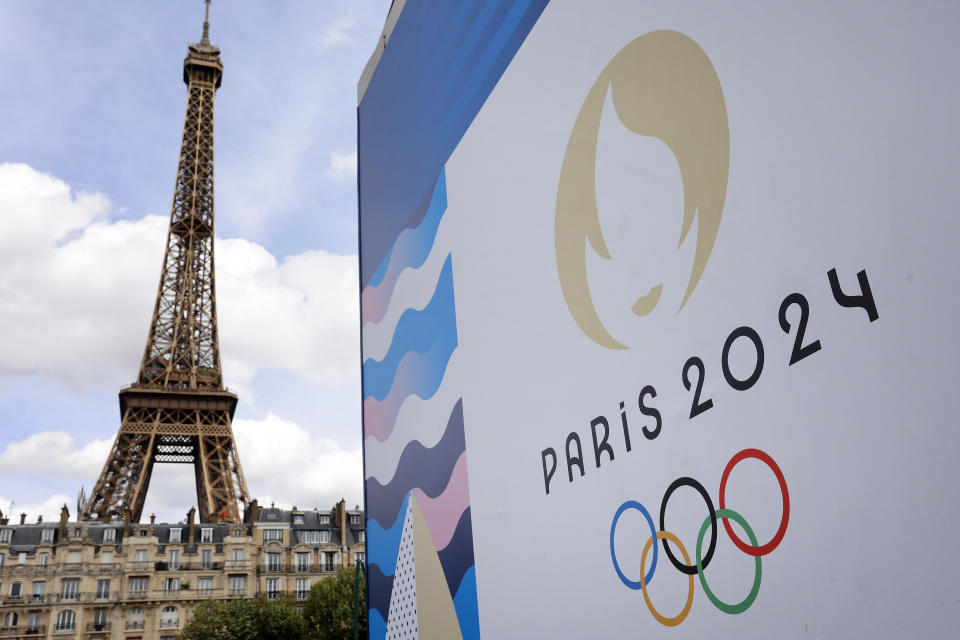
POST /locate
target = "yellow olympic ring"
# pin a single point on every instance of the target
(669, 622)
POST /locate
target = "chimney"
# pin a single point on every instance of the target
(64, 517)
(342, 517)
(40, 519)
(23, 518)
(153, 518)
(190, 516)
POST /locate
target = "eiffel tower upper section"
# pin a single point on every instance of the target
(183, 350)
(178, 410)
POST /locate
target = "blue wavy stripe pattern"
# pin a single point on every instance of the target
(383, 545)
(465, 604)
(415, 242)
(380, 588)
(457, 557)
(417, 331)
(426, 469)
(376, 625)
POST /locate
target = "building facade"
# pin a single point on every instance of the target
(118, 581)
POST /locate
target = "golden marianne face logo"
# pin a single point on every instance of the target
(662, 85)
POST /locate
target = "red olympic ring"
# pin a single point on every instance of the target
(743, 546)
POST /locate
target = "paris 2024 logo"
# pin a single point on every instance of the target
(662, 85)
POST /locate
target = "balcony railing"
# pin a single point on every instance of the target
(237, 564)
(12, 570)
(169, 623)
(135, 625)
(98, 626)
(36, 630)
(294, 567)
(189, 566)
(62, 628)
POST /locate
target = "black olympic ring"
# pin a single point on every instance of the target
(690, 482)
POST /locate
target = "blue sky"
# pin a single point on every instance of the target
(90, 119)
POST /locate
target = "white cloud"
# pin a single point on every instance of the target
(76, 294)
(343, 166)
(53, 453)
(282, 462)
(49, 508)
(336, 34)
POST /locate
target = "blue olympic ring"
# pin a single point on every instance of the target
(633, 504)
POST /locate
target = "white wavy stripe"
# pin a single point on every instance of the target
(413, 290)
(418, 419)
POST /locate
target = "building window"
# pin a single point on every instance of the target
(140, 555)
(10, 621)
(39, 590)
(78, 533)
(138, 587)
(171, 585)
(238, 533)
(22, 557)
(103, 588)
(170, 619)
(238, 585)
(33, 622)
(324, 519)
(206, 535)
(204, 586)
(273, 588)
(2, 558)
(106, 557)
(73, 557)
(361, 536)
(359, 557)
(175, 535)
(298, 518)
(15, 589)
(238, 555)
(303, 588)
(109, 535)
(314, 537)
(355, 519)
(205, 555)
(66, 621)
(329, 561)
(174, 563)
(44, 559)
(272, 561)
(5, 535)
(70, 590)
(143, 533)
(273, 534)
(99, 619)
(302, 562)
(46, 536)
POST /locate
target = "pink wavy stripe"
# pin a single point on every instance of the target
(374, 302)
(443, 512)
(379, 416)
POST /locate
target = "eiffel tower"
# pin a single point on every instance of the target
(178, 410)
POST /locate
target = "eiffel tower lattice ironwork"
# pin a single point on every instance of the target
(178, 410)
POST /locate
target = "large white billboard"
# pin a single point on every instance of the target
(659, 319)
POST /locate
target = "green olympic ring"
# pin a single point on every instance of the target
(717, 602)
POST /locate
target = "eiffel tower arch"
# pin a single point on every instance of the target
(178, 410)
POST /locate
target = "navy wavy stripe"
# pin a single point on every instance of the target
(457, 557)
(426, 469)
(380, 588)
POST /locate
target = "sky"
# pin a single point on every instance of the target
(91, 112)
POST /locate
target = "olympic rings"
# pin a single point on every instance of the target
(778, 537)
(633, 504)
(690, 482)
(752, 549)
(719, 604)
(669, 622)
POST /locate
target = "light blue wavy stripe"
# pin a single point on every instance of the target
(376, 625)
(416, 331)
(465, 604)
(383, 545)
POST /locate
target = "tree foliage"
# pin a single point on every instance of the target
(329, 609)
(242, 619)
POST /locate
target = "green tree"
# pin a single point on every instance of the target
(242, 619)
(329, 608)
